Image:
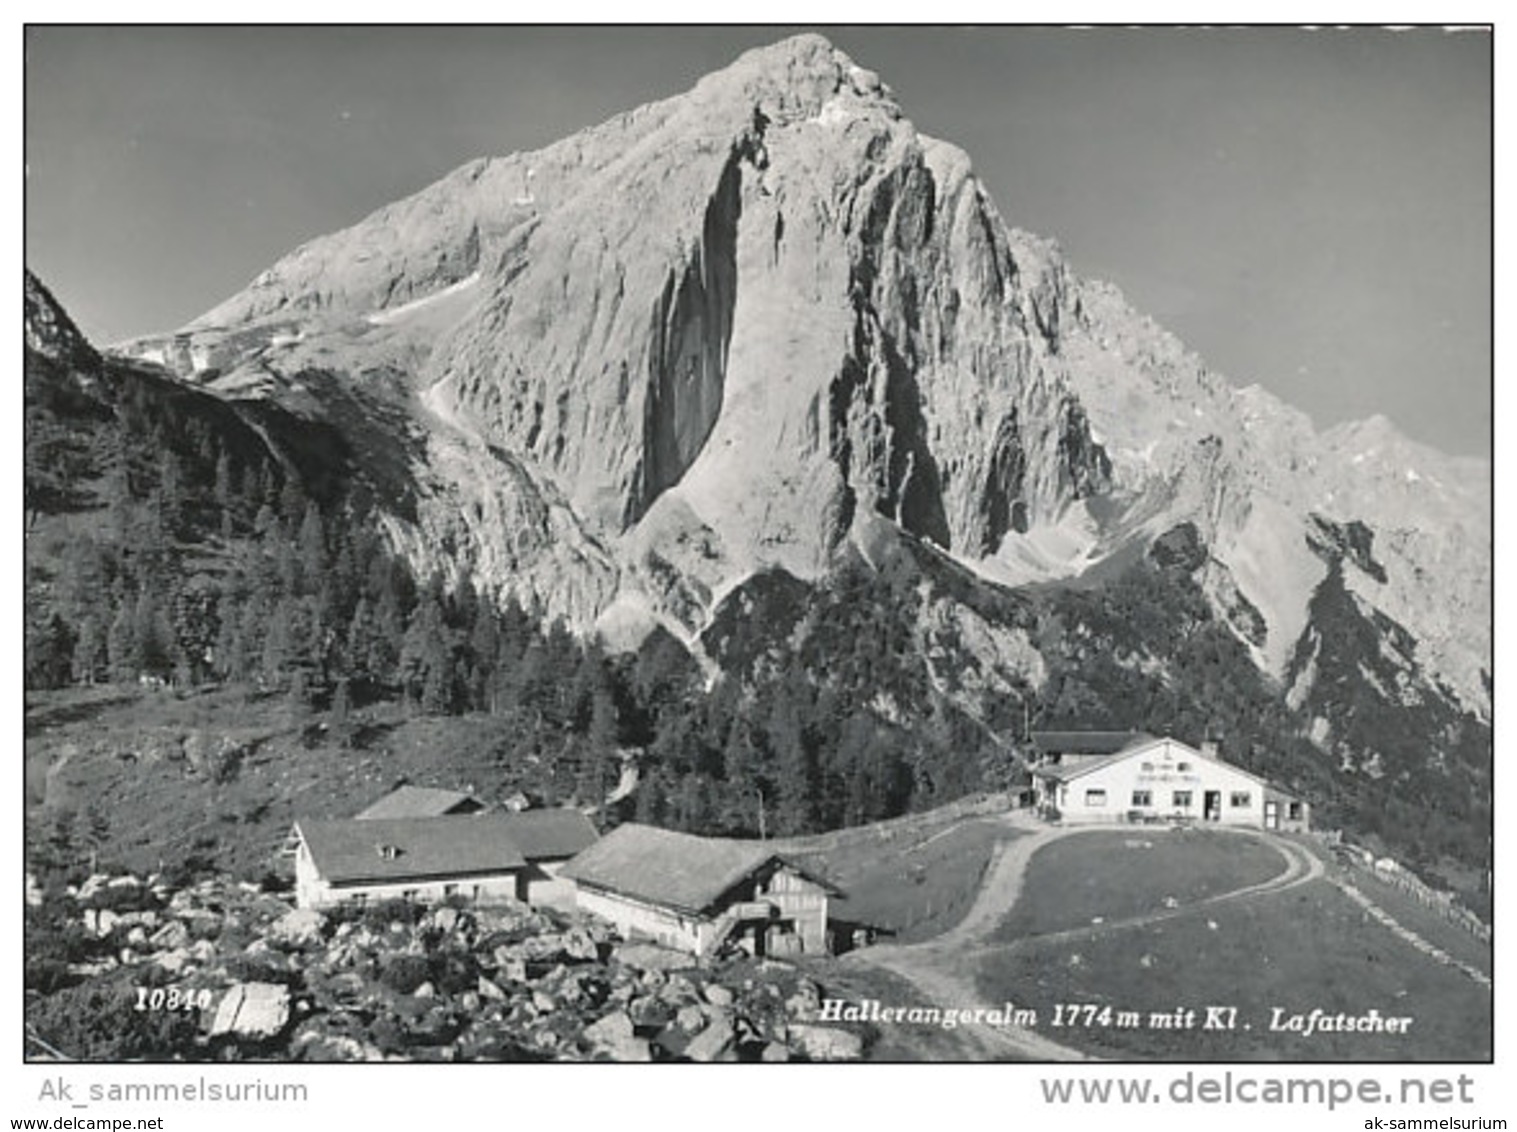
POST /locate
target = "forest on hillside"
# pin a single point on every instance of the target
(169, 545)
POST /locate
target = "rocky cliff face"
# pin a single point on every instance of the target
(720, 333)
(1258, 480)
(50, 331)
(827, 318)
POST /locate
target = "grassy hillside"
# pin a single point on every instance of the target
(213, 779)
(1097, 877)
(912, 882)
(1268, 957)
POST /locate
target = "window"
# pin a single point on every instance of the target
(409, 893)
(1241, 800)
(1095, 797)
(1142, 797)
(450, 890)
(1293, 811)
(1182, 767)
(1182, 799)
(1148, 766)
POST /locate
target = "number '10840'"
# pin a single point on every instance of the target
(172, 998)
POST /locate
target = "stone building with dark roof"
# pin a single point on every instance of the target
(405, 858)
(697, 893)
(407, 801)
(490, 856)
(548, 840)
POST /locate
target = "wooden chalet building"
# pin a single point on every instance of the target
(696, 893)
(1163, 780)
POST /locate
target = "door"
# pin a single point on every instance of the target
(1213, 805)
(1271, 815)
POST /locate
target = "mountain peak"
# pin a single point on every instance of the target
(794, 79)
(808, 49)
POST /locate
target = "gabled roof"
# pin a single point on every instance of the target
(1080, 770)
(674, 870)
(420, 802)
(1066, 771)
(398, 849)
(546, 834)
(1086, 742)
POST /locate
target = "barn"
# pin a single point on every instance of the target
(1163, 779)
(696, 893)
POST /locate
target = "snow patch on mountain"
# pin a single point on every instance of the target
(1277, 572)
(415, 306)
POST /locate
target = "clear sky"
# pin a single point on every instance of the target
(1310, 210)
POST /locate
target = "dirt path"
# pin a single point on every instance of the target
(943, 968)
(936, 967)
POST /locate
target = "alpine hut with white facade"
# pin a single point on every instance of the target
(490, 856)
(423, 859)
(1163, 780)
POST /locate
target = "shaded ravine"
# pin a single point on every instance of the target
(942, 968)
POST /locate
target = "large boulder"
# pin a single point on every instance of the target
(805, 1002)
(717, 995)
(252, 1010)
(614, 1027)
(299, 928)
(650, 1013)
(173, 934)
(712, 1042)
(652, 957)
(826, 1043)
(316, 1040)
(175, 961)
(580, 945)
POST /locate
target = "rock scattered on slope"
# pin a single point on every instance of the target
(401, 982)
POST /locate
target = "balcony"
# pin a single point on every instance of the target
(753, 910)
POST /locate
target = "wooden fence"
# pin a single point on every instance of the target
(907, 825)
(1389, 872)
